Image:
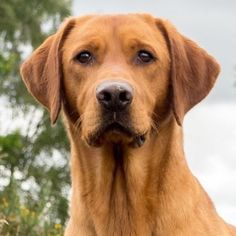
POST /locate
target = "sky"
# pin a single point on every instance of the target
(210, 127)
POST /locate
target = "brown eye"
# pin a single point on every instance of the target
(84, 57)
(144, 57)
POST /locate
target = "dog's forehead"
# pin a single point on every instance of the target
(123, 26)
(110, 31)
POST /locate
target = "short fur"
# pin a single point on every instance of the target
(118, 189)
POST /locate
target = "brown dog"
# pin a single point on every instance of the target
(124, 83)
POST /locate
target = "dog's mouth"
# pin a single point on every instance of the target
(116, 132)
(117, 127)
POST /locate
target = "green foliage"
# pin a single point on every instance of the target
(25, 220)
(34, 175)
(24, 24)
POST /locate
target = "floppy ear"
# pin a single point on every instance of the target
(42, 72)
(193, 72)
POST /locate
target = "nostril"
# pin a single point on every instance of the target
(104, 96)
(124, 96)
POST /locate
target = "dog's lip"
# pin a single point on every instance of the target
(111, 128)
(116, 132)
(116, 126)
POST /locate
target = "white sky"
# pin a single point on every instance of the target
(210, 128)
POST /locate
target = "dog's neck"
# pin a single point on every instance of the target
(113, 184)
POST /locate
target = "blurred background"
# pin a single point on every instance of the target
(34, 157)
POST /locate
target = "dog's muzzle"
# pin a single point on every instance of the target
(115, 99)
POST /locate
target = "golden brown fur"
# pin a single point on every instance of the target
(122, 187)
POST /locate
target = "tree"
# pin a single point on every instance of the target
(34, 176)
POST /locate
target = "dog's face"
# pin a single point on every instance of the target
(118, 76)
(115, 76)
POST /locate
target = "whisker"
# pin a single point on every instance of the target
(80, 119)
(154, 121)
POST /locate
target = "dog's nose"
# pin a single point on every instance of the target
(114, 95)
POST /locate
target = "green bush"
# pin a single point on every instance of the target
(33, 186)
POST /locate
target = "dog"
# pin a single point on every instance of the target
(124, 84)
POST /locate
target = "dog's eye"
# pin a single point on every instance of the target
(84, 57)
(144, 57)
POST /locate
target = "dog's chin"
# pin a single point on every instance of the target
(116, 133)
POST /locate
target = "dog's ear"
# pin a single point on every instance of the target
(42, 72)
(193, 72)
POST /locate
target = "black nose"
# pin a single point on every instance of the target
(114, 95)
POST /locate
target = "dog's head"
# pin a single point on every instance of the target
(118, 76)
